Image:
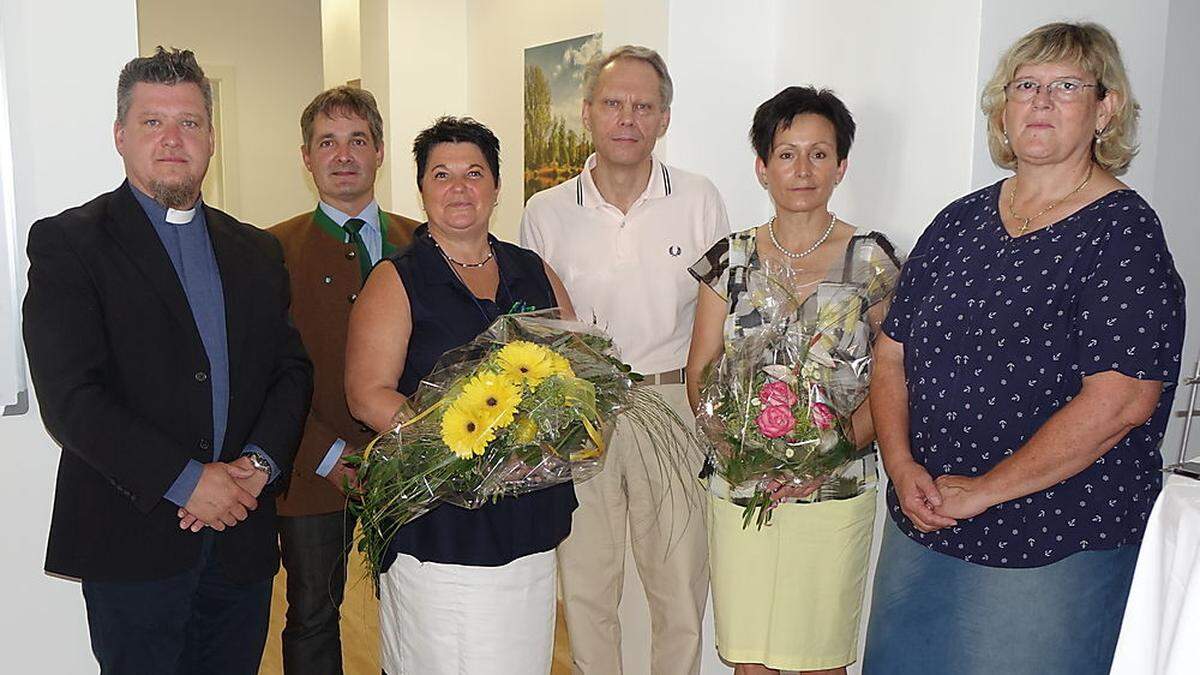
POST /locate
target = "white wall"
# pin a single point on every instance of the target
(427, 78)
(373, 38)
(62, 83)
(1175, 182)
(717, 88)
(913, 146)
(268, 55)
(341, 41)
(910, 84)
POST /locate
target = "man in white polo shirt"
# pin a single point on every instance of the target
(622, 234)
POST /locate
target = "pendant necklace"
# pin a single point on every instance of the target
(1012, 198)
(465, 266)
(487, 318)
(810, 249)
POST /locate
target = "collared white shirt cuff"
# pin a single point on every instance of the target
(331, 458)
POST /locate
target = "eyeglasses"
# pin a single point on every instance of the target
(1063, 91)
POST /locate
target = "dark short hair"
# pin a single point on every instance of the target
(343, 101)
(164, 67)
(457, 130)
(777, 113)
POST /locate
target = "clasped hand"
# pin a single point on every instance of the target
(934, 504)
(224, 496)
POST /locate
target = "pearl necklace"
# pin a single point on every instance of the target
(810, 249)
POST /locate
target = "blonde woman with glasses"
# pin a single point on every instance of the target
(1022, 385)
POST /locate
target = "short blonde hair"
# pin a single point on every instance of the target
(1089, 46)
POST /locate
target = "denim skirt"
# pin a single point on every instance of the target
(932, 613)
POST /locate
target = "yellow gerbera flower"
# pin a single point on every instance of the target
(494, 396)
(525, 431)
(466, 432)
(559, 365)
(525, 362)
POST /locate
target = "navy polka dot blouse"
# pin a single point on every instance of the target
(998, 334)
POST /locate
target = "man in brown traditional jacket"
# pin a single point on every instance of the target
(329, 253)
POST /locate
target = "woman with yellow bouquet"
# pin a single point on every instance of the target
(461, 590)
(778, 372)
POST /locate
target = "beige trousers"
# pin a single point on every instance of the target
(665, 522)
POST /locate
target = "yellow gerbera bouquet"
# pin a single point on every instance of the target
(525, 406)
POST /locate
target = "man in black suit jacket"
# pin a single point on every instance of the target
(168, 370)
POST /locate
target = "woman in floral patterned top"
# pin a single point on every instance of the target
(788, 596)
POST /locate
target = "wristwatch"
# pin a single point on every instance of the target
(260, 463)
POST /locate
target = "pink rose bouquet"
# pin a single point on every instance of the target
(777, 406)
(775, 421)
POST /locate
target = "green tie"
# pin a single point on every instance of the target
(353, 229)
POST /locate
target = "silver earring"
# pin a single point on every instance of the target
(1005, 137)
(1099, 135)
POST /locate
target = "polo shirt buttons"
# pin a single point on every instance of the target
(201, 376)
(327, 280)
(352, 297)
(351, 255)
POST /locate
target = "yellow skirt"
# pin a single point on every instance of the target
(790, 595)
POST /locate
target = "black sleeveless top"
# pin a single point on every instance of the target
(446, 315)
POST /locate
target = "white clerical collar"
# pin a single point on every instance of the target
(177, 217)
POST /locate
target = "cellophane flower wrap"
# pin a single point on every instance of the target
(777, 406)
(528, 404)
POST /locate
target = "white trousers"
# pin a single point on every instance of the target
(438, 619)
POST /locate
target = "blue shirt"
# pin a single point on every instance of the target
(998, 334)
(190, 250)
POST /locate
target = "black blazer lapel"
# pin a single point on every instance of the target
(129, 226)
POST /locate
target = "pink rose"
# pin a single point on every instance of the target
(775, 421)
(822, 416)
(777, 393)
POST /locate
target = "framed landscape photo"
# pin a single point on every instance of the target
(556, 144)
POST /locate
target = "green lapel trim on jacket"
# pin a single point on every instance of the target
(334, 230)
(388, 247)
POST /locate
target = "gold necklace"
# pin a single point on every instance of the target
(1012, 198)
